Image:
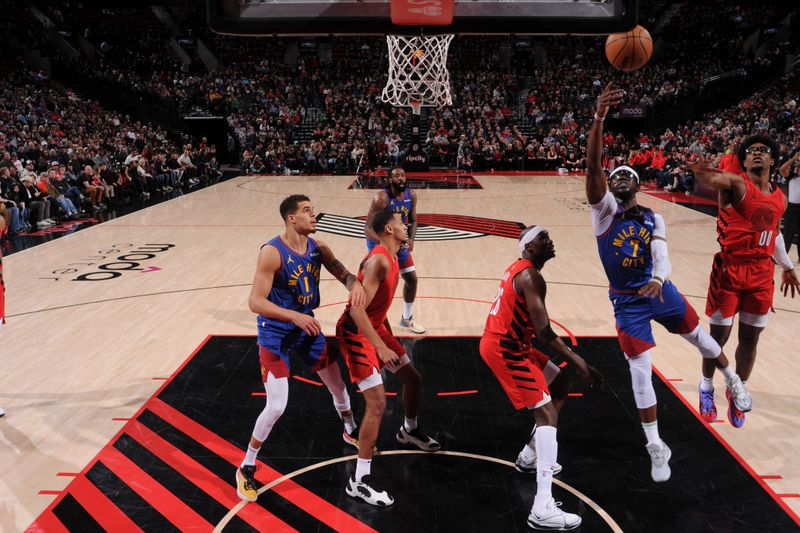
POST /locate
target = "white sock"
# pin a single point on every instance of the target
(410, 424)
(349, 423)
(546, 455)
(728, 373)
(707, 384)
(250, 458)
(362, 468)
(651, 432)
(407, 311)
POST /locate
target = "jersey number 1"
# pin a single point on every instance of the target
(765, 238)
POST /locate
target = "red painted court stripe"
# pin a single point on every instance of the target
(173, 509)
(674, 379)
(109, 516)
(730, 449)
(68, 474)
(258, 394)
(50, 492)
(387, 393)
(306, 380)
(120, 419)
(159, 379)
(457, 393)
(771, 477)
(298, 495)
(224, 493)
(47, 522)
(792, 495)
(91, 463)
(575, 394)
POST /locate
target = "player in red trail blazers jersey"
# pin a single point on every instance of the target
(748, 228)
(368, 345)
(517, 313)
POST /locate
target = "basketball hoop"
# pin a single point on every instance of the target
(418, 74)
(416, 106)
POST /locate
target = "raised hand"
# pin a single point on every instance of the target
(610, 97)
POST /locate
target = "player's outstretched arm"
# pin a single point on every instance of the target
(340, 272)
(595, 177)
(268, 263)
(533, 289)
(716, 178)
(379, 201)
(373, 272)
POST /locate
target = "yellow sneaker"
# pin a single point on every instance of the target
(246, 483)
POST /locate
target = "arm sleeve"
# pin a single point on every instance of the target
(779, 255)
(658, 249)
(603, 213)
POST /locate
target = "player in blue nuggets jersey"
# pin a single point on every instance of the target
(632, 243)
(285, 293)
(400, 199)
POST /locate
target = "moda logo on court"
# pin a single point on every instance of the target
(430, 227)
(112, 262)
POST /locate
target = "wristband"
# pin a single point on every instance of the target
(657, 280)
(599, 119)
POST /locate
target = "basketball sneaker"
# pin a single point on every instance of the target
(552, 518)
(368, 491)
(741, 396)
(409, 323)
(417, 439)
(735, 415)
(352, 439)
(2, 412)
(708, 410)
(530, 467)
(246, 483)
(659, 458)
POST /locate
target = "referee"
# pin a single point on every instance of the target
(791, 221)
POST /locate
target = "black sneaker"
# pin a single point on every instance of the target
(367, 490)
(418, 439)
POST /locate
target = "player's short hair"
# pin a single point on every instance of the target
(380, 219)
(290, 204)
(766, 140)
(391, 171)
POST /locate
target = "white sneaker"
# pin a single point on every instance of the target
(741, 396)
(409, 323)
(659, 457)
(368, 491)
(552, 518)
(2, 412)
(529, 467)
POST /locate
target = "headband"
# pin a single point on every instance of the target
(624, 168)
(529, 236)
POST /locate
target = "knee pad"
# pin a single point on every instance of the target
(641, 378)
(703, 342)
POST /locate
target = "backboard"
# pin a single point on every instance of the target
(372, 17)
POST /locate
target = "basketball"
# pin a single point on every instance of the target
(631, 50)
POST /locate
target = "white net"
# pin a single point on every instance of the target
(418, 71)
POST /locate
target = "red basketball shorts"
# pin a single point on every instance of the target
(519, 372)
(739, 286)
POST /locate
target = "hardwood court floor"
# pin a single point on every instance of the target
(80, 351)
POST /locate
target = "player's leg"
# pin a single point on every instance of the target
(328, 371)
(559, 385)
(276, 383)
(679, 317)
(361, 485)
(409, 274)
(545, 513)
(410, 432)
(722, 303)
